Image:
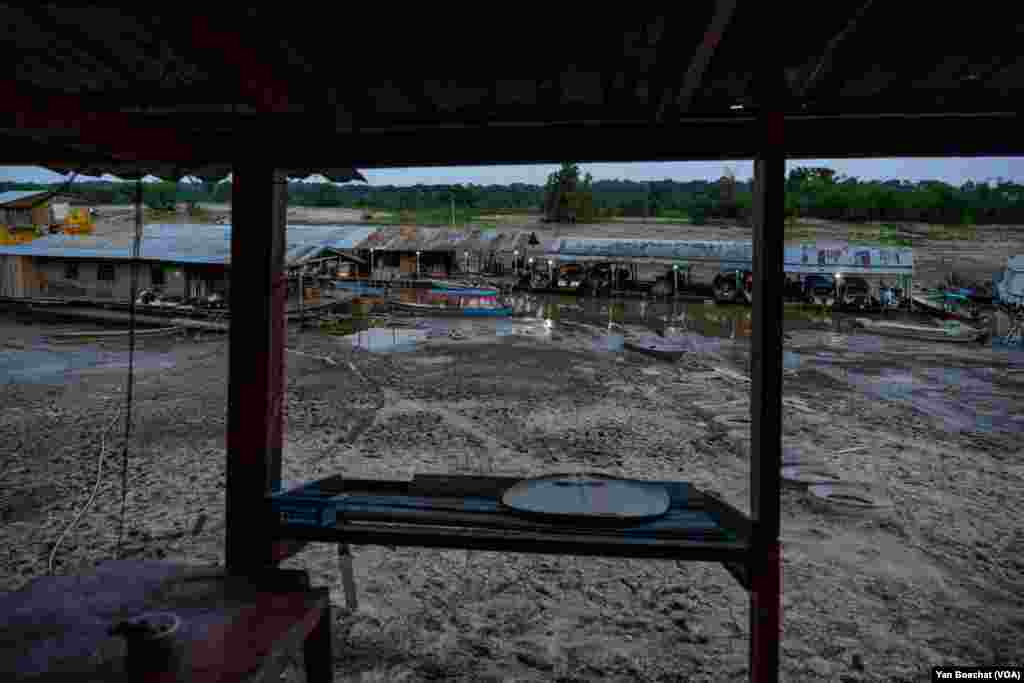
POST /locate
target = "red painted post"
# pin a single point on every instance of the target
(766, 384)
(256, 361)
(766, 616)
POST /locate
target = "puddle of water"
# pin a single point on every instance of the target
(45, 366)
(360, 288)
(431, 297)
(382, 340)
(957, 396)
(609, 343)
(707, 320)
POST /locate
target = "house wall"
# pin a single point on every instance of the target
(41, 215)
(18, 276)
(53, 282)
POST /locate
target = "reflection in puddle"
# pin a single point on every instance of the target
(43, 366)
(964, 399)
(383, 340)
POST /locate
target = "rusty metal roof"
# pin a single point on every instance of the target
(165, 83)
(420, 238)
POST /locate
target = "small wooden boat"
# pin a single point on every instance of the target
(946, 305)
(468, 311)
(955, 332)
(663, 349)
(461, 288)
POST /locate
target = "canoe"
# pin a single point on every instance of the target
(461, 288)
(661, 349)
(945, 305)
(955, 333)
(427, 309)
(465, 291)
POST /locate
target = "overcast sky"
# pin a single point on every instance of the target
(955, 171)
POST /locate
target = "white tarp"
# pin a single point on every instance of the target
(843, 257)
(1010, 288)
(826, 257)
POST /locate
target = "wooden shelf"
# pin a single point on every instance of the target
(464, 512)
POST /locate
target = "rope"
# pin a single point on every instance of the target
(136, 248)
(95, 489)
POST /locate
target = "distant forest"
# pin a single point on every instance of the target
(818, 192)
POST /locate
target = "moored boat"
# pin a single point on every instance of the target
(953, 332)
(461, 288)
(469, 311)
(946, 305)
(663, 349)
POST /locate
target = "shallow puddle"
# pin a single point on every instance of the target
(47, 366)
(383, 340)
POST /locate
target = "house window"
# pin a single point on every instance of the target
(157, 277)
(105, 272)
(71, 270)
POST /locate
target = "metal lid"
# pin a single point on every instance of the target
(588, 497)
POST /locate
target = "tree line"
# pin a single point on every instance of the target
(568, 196)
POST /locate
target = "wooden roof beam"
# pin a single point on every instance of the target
(676, 99)
(824, 64)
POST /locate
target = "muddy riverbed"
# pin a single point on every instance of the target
(881, 597)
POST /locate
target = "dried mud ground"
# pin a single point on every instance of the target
(938, 579)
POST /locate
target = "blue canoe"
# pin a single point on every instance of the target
(467, 291)
(359, 288)
(427, 309)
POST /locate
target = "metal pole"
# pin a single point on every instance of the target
(302, 302)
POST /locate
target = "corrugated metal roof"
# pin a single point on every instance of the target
(417, 238)
(18, 195)
(186, 243)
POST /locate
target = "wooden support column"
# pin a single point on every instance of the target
(256, 361)
(766, 393)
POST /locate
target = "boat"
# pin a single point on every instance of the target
(461, 288)
(946, 305)
(951, 332)
(663, 349)
(468, 311)
(466, 291)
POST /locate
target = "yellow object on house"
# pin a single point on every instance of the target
(78, 222)
(9, 235)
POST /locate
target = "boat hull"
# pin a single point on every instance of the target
(921, 333)
(933, 307)
(453, 311)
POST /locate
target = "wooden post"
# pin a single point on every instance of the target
(766, 393)
(256, 360)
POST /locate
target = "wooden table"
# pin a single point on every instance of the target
(232, 628)
(464, 512)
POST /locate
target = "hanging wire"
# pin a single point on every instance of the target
(136, 247)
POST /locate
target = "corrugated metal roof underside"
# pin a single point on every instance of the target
(19, 195)
(187, 243)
